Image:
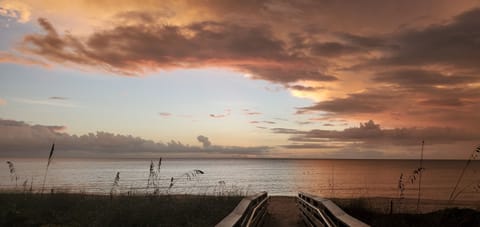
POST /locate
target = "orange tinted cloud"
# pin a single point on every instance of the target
(19, 59)
(409, 68)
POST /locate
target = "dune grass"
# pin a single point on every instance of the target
(63, 209)
(364, 209)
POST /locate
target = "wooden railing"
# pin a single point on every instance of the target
(318, 211)
(249, 212)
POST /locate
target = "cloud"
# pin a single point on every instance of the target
(225, 114)
(58, 98)
(453, 44)
(333, 49)
(3, 102)
(20, 139)
(6, 57)
(422, 78)
(309, 146)
(250, 112)
(416, 67)
(137, 49)
(371, 133)
(363, 102)
(264, 122)
(304, 122)
(204, 140)
(15, 9)
(253, 113)
(302, 88)
(416, 105)
(286, 131)
(49, 102)
(165, 114)
(217, 115)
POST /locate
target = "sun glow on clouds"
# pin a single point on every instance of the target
(407, 69)
(16, 10)
(315, 91)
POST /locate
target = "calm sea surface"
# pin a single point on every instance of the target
(339, 178)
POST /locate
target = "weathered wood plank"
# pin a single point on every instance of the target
(330, 214)
(248, 212)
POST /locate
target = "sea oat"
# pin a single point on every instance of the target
(473, 156)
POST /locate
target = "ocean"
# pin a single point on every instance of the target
(326, 178)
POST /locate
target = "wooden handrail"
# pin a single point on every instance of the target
(249, 212)
(318, 211)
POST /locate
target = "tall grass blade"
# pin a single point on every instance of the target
(473, 156)
(50, 156)
(420, 177)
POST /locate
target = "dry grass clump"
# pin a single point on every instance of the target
(63, 209)
(13, 174)
(116, 180)
(364, 210)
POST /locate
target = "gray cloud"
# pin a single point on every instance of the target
(165, 114)
(371, 133)
(20, 139)
(427, 57)
(371, 102)
(204, 140)
(250, 112)
(333, 49)
(309, 146)
(302, 88)
(252, 49)
(454, 44)
(58, 98)
(421, 78)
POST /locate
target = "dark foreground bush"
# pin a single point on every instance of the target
(96, 210)
(360, 208)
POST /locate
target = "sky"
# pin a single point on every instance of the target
(248, 79)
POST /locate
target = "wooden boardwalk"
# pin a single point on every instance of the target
(282, 211)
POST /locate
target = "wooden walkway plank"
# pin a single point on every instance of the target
(282, 212)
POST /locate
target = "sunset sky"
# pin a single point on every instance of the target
(228, 78)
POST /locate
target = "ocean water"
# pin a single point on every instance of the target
(327, 178)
